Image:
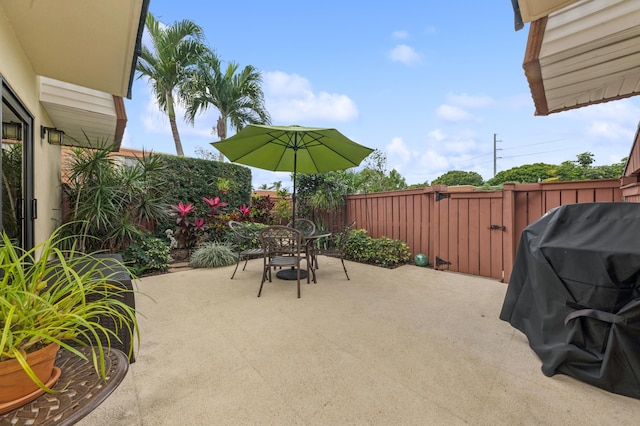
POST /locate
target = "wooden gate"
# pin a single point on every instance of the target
(469, 230)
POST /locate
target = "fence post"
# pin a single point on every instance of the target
(508, 237)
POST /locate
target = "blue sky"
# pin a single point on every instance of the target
(428, 83)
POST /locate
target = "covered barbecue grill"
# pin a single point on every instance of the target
(575, 293)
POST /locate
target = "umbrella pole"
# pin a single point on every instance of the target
(293, 197)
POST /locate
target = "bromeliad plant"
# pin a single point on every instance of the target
(192, 228)
(49, 295)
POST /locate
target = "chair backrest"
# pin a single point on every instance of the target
(244, 237)
(341, 237)
(278, 239)
(305, 226)
(240, 230)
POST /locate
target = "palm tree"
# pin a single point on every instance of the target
(176, 49)
(238, 97)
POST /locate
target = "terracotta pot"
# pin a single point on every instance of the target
(15, 383)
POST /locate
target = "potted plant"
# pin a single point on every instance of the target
(223, 185)
(52, 298)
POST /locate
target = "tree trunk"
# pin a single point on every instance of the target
(221, 128)
(176, 136)
(174, 127)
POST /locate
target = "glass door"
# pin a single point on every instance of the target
(18, 205)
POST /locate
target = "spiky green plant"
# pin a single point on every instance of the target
(53, 295)
(213, 255)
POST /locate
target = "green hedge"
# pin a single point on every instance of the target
(190, 179)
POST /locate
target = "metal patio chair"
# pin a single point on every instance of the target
(244, 243)
(334, 246)
(283, 247)
(305, 226)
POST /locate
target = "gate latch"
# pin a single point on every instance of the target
(504, 228)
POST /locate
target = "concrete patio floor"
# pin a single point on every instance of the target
(407, 346)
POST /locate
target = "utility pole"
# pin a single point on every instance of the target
(495, 152)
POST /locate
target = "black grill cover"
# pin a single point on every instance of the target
(574, 292)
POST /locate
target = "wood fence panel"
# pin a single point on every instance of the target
(463, 236)
(363, 218)
(509, 236)
(607, 195)
(372, 214)
(521, 210)
(586, 195)
(474, 237)
(407, 227)
(451, 215)
(534, 208)
(552, 199)
(456, 228)
(426, 230)
(496, 240)
(484, 254)
(379, 216)
(399, 206)
(387, 230)
(568, 196)
(444, 229)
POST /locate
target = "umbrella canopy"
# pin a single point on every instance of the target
(292, 149)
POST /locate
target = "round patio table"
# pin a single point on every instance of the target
(309, 240)
(80, 390)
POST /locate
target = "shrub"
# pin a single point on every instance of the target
(213, 255)
(378, 251)
(110, 204)
(261, 207)
(148, 254)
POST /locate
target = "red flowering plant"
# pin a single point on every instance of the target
(214, 204)
(189, 228)
(183, 221)
(217, 218)
(246, 211)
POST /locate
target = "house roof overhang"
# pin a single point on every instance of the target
(583, 52)
(632, 168)
(81, 48)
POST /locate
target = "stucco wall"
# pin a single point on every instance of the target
(17, 72)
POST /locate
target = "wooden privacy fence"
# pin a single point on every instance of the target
(466, 230)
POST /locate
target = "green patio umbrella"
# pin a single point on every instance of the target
(292, 149)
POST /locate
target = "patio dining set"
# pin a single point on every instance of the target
(286, 248)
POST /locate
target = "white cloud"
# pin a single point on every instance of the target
(453, 113)
(609, 130)
(622, 110)
(613, 121)
(397, 148)
(405, 54)
(436, 135)
(432, 163)
(438, 153)
(400, 35)
(290, 99)
(457, 104)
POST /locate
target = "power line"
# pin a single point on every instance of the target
(514, 156)
(467, 165)
(537, 153)
(534, 144)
